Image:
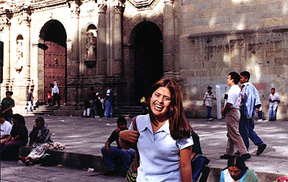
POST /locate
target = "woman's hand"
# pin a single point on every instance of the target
(128, 138)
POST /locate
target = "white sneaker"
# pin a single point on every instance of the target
(260, 120)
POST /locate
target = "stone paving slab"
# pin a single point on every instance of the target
(11, 171)
(88, 135)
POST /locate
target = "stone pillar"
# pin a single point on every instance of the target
(109, 36)
(75, 11)
(27, 43)
(6, 58)
(101, 41)
(168, 38)
(117, 39)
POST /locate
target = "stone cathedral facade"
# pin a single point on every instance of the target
(130, 44)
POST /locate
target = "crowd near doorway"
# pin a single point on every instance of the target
(148, 57)
(55, 59)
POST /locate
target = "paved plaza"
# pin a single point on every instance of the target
(86, 136)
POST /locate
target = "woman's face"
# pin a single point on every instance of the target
(160, 102)
(38, 124)
(235, 172)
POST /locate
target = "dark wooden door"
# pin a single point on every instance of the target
(55, 68)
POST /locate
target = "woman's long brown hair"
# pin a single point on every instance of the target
(178, 124)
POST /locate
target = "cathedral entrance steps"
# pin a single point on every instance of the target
(127, 111)
(46, 110)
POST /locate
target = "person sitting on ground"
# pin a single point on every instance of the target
(17, 138)
(111, 153)
(40, 140)
(237, 171)
(198, 161)
(6, 128)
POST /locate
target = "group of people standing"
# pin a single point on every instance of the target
(96, 106)
(274, 100)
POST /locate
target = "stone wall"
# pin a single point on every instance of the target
(223, 36)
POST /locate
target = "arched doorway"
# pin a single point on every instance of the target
(148, 56)
(54, 36)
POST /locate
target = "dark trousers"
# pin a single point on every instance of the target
(11, 149)
(56, 98)
(198, 167)
(209, 112)
(246, 129)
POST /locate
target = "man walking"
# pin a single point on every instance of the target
(249, 102)
(232, 117)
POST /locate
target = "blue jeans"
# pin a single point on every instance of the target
(126, 157)
(260, 115)
(197, 166)
(209, 112)
(246, 129)
(272, 111)
(108, 109)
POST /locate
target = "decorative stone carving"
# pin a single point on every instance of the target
(75, 9)
(141, 3)
(19, 56)
(4, 22)
(26, 16)
(102, 7)
(118, 7)
(91, 46)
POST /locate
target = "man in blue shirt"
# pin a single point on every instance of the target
(109, 103)
(250, 100)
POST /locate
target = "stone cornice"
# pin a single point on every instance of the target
(277, 29)
(18, 7)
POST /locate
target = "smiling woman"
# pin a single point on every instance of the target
(163, 136)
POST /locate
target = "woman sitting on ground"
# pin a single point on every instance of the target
(237, 171)
(17, 138)
(39, 141)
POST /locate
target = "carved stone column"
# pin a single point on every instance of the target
(168, 38)
(6, 60)
(117, 39)
(75, 12)
(26, 19)
(101, 41)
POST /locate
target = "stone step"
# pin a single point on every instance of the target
(127, 111)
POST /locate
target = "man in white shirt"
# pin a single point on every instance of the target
(6, 128)
(55, 94)
(232, 118)
(274, 101)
